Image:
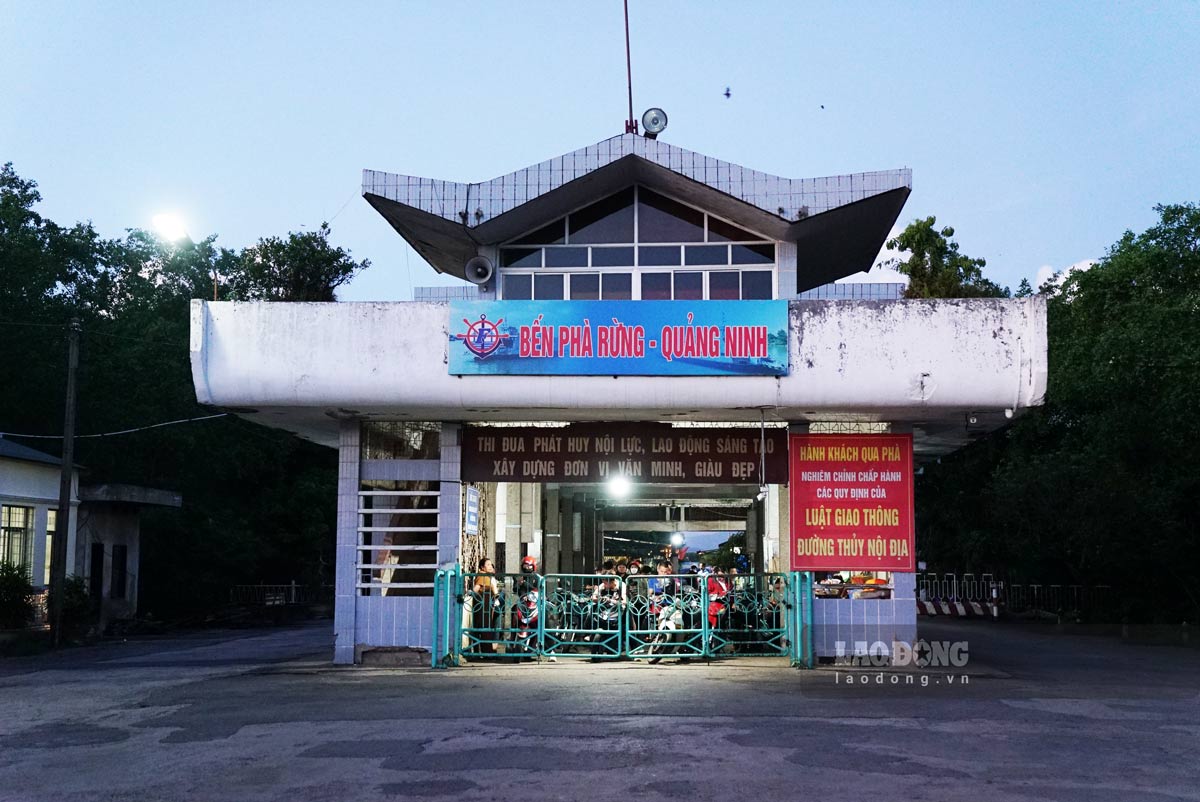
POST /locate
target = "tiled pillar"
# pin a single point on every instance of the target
(345, 595)
(785, 259)
(450, 498)
(904, 592)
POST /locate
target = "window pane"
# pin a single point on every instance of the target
(51, 528)
(16, 535)
(689, 286)
(585, 286)
(612, 257)
(520, 257)
(616, 286)
(547, 235)
(723, 286)
(706, 255)
(753, 254)
(566, 257)
(518, 287)
(656, 286)
(658, 255)
(756, 285)
(720, 231)
(609, 220)
(548, 287)
(664, 220)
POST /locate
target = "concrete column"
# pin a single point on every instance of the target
(487, 518)
(345, 574)
(774, 551)
(754, 538)
(552, 532)
(512, 535)
(530, 495)
(499, 514)
(40, 555)
(450, 495)
(592, 542)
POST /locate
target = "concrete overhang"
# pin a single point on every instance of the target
(130, 494)
(838, 223)
(948, 370)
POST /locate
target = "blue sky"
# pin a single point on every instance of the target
(1040, 131)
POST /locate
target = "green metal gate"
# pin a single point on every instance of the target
(604, 617)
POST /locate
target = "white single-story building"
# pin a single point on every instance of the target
(104, 534)
(632, 300)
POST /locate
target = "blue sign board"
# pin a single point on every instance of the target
(472, 523)
(619, 338)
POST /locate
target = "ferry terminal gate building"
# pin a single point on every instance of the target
(677, 261)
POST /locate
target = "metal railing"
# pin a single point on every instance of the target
(604, 617)
(1016, 597)
(279, 595)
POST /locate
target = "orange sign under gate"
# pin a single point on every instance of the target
(852, 502)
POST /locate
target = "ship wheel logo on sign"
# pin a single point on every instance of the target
(483, 336)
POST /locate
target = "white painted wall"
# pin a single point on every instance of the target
(31, 484)
(897, 360)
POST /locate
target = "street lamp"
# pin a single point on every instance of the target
(619, 486)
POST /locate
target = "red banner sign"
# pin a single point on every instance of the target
(643, 452)
(852, 502)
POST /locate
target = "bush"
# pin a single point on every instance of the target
(78, 612)
(16, 597)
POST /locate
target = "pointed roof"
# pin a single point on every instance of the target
(838, 222)
(11, 450)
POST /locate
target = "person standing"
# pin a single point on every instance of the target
(485, 604)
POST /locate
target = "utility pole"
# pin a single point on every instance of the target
(62, 527)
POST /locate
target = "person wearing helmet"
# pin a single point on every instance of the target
(528, 587)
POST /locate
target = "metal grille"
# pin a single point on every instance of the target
(401, 440)
(849, 427)
(397, 538)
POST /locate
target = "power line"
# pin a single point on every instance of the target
(37, 325)
(90, 332)
(151, 340)
(114, 434)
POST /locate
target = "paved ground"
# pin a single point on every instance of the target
(261, 716)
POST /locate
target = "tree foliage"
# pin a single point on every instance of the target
(1100, 484)
(935, 267)
(302, 267)
(258, 503)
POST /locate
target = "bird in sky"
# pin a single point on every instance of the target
(728, 93)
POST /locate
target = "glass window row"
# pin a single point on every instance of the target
(679, 285)
(633, 215)
(640, 256)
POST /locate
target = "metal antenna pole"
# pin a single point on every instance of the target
(62, 525)
(631, 126)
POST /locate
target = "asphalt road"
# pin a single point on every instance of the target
(263, 716)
